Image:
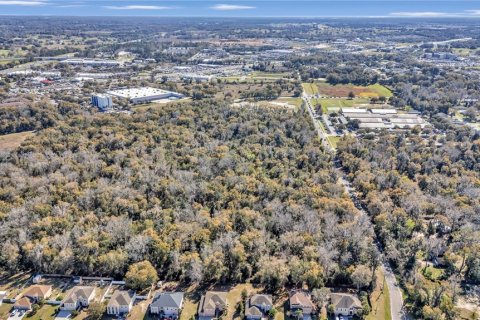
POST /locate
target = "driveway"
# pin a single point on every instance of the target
(17, 316)
(63, 314)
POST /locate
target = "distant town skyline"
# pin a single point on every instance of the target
(265, 8)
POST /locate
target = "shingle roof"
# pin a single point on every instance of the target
(23, 303)
(253, 311)
(345, 301)
(121, 298)
(261, 299)
(79, 293)
(301, 298)
(38, 291)
(213, 299)
(167, 300)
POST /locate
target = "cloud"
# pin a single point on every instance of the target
(421, 14)
(137, 7)
(230, 7)
(434, 14)
(21, 3)
(473, 12)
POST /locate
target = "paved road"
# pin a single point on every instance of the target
(396, 299)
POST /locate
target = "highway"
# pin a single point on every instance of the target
(396, 299)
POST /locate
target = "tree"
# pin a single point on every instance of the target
(96, 310)
(321, 296)
(361, 276)
(140, 275)
(351, 95)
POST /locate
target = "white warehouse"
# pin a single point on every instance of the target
(144, 95)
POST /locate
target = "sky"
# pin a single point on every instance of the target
(246, 8)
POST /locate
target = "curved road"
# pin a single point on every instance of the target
(396, 299)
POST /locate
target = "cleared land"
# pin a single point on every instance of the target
(332, 104)
(342, 90)
(9, 142)
(310, 88)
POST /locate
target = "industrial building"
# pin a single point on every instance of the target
(92, 62)
(102, 102)
(144, 95)
(382, 118)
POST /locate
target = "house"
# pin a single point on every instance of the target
(258, 306)
(38, 292)
(80, 296)
(212, 304)
(345, 304)
(22, 304)
(121, 302)
(169, 304)
(300, 300)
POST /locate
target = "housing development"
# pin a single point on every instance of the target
(239, 168)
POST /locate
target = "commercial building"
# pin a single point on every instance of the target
(382, 119)
(102, 102)
(92, 62)
(144, 95)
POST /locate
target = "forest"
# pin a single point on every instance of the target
(424, 198)
(204, 191)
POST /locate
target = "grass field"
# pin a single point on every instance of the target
(268, 75)
(333, 141)
(342, 90)
(295, 102)
(9, 142)
(310, 88)
(380, 300)
(329, 105)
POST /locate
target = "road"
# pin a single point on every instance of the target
(396, 299)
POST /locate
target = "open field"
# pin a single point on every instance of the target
(9, 142)
(330, 105)
(342, 90)
(310, 88)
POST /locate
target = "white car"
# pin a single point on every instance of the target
(13, 312)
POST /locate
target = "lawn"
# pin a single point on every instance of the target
(46, 312)
(380, 300)
(9, 142)
(189, 309)
(343, 90)
(234, 296)
(5, 309)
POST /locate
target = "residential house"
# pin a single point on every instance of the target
(345, 304)
(23, 304)
(80, 296)
(121, 302)
(38, 292)
(258, 306)
(301, 300)
(169, 304)
(212, 304)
